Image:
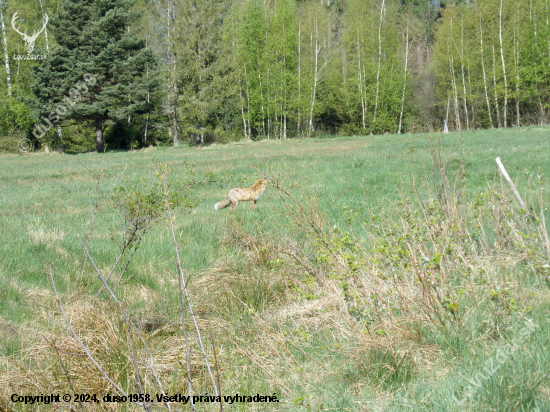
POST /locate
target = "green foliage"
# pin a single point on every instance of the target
(15, 114)
(15, 123)
(491, 64)
(99, 69)
(202, 68)
(11, 141)
(263, 69)
(141, 202)
(122, 135)
(265, 42)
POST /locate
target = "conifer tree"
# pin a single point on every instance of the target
(98, 68)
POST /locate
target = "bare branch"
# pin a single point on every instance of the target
(183, 286)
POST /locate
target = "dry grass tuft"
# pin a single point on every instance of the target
(39, 235)
(55, 357)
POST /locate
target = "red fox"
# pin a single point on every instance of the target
(238, 195)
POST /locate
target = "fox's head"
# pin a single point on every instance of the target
(260, 183)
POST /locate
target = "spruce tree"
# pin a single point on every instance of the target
(98, 68)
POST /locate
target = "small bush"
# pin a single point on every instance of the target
(13, 140)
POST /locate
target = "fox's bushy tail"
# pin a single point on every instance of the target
(223, 204)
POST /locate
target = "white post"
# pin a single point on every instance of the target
(512, 186)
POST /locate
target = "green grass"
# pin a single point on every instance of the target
(45, 204)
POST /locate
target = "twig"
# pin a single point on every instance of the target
(95, 211)
(136, 369)
(65, 371)
(186, 339)
(216, 366)
(183, 286)
(110, 273)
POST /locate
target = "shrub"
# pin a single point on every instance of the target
(11, 140)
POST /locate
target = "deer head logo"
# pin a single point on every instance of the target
(29, 39)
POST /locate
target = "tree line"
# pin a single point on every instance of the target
(167, 71)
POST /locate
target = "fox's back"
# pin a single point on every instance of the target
(249, 193)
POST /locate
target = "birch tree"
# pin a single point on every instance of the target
(485, 88)
(3, 7)
(164, 41)
(503, 63)
(315, 49)
(404, 77)
(360, 23)
(382, 10)
(251, 49)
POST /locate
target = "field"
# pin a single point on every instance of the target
(377, 273)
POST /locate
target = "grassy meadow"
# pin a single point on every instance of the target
(378, 273)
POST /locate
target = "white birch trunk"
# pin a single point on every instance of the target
(299, 78)
(484, 75)
(542, 110)
(283, 89)
(262, 103)
(426, 40)
(284, 117)
(175, 106)
(445, 125)
(247, 101)
(45, 29)
(473, 110)
(148, 101)
(463, 77)
(283, 94)
(495, 87)
(242, 107)
(455, 93)
(360, 82)
(314, 86)
(6, 57)
(379, 60)
(503, 65)
(240, 83)
(171, 20)
(464, 97)
(516, 61)
(145, 131)
(317, 71)
(267, 79)
(404, 79)
(548, 29)
(364, 97)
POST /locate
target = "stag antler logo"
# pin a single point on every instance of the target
(29, 39)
